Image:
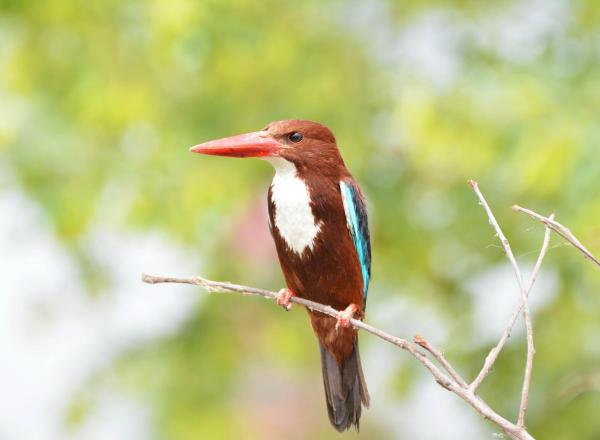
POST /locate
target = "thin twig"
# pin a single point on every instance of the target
(529, 363)
(509, 254)
(420, 340)
(495, 352)
(538, 263)
(449, 383)
(561, 230)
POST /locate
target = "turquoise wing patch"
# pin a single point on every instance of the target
(356, 219)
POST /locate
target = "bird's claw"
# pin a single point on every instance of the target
(345, 316)
(283, 298)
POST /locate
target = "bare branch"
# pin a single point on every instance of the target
(561, 230)
(224, 287)
(420, 340)
(495, 352)
(452, 381)
(491, 358)
(449, 379)
(451, 384)
(529, 363)
(538, 263)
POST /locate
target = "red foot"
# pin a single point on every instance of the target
(283, 298)
(345, 316)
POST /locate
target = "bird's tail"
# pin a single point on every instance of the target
(345, 388)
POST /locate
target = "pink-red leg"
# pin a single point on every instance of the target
(283, 298)
(345, 316)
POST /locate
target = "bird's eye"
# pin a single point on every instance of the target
(295, 136)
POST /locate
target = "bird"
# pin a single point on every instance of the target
(318, 221)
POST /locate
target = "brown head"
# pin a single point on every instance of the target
(309, 145)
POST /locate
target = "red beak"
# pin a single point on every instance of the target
(256, 144)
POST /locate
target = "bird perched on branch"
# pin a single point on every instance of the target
(318, 219)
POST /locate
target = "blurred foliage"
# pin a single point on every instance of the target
(99, 101)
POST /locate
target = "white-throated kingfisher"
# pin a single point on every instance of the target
(318, 219)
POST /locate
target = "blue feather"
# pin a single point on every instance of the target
(356, 218)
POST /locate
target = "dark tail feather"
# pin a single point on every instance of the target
(345, 389)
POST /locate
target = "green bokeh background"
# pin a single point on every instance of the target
(100, 100)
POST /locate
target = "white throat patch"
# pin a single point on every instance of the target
(293, 215)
